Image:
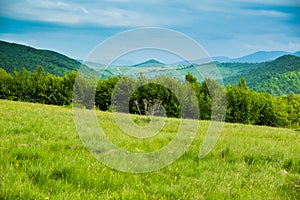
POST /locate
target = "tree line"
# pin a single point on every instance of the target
(164, 96)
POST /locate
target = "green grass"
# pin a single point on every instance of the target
(42, 157)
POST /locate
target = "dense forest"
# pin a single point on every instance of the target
(243, 105)
(277, 77)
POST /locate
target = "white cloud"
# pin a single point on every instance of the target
(269, 42)
(272, 2)
(120, 17)
(213, 23)
(84, 10)
(235, 10)
(76, 13)
(267, 13)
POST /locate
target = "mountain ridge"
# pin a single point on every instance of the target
(256, 57)
(17, 56)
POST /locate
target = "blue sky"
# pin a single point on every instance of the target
(228, 28)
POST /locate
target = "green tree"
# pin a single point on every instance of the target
(6, 81)
(104, 92)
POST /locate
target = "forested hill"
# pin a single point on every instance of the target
(278, 77)
(16, 56)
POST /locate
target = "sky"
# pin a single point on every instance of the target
(223, 28)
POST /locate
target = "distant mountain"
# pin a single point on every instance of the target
(259, 56)
(296, 53)
(150, 63)
(93, 65)
(16, 56)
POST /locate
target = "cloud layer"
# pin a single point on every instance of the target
(230, 28)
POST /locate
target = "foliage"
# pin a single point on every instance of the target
(246, 106)
(286, 83)
(37, 87)
(277, 77)
(188, 99)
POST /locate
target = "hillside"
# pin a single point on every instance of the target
(280, 84)
(277, 77)
(16, 56)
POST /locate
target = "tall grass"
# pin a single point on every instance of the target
(42, 157)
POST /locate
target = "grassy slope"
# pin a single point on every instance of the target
(41, 156)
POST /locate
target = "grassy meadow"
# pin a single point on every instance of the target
(42, 157)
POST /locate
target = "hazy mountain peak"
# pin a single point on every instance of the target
(256, 57)
(150, 63)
